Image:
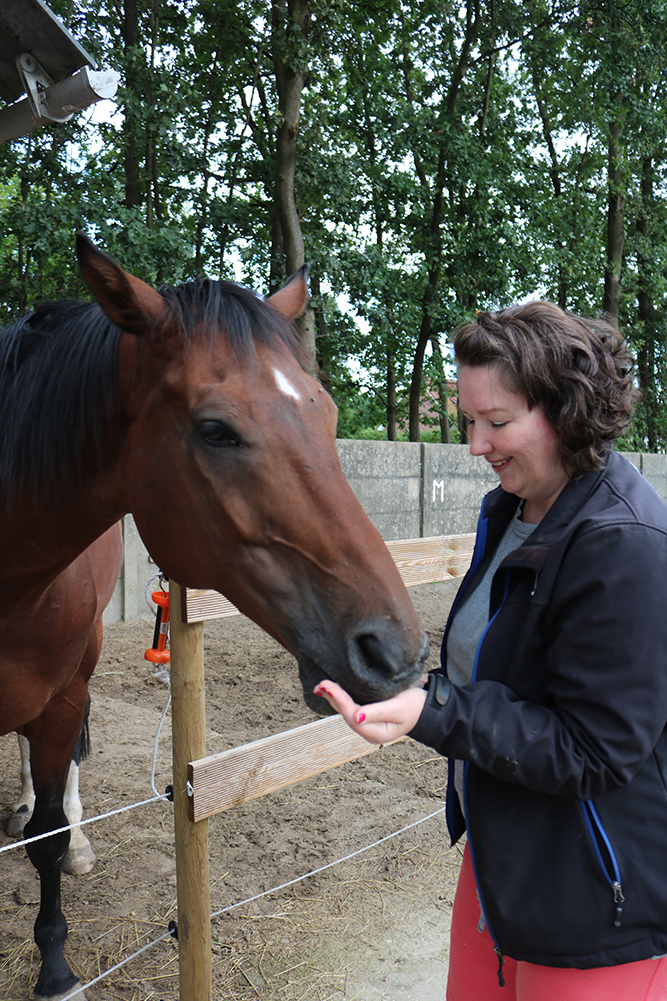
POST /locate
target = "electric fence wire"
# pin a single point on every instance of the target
(112, 813)
(77, 992)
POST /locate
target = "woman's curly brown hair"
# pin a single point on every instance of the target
(578, 371)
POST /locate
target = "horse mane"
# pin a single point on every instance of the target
(201, 308)
(58, 371)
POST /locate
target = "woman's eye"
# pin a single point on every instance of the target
(498, 424)
(218, 434)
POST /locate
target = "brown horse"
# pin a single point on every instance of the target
(190, 408)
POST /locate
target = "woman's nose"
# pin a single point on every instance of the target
(479, 443)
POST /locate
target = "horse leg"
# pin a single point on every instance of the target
(80, 857)
(51, 752)
(22, 809)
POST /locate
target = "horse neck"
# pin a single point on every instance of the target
(41, 536)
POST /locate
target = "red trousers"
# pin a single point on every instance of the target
(473, 966)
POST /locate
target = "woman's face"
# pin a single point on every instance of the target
(519, 443)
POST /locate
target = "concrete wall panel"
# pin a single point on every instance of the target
(454, 484)
(386, 477)
(654, 468)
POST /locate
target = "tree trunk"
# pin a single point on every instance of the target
(286, 19)
(425, 334)
(554, 173)
(645, 310)
(434, 248)
(463, 429)
(391, 396)
(615, 222)
(443, 395)
(132, 157)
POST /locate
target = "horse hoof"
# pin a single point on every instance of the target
(17, 822)
(79, 996)
(78, 862)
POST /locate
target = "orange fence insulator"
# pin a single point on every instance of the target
(158, 653)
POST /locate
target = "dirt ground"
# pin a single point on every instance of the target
(372, 928)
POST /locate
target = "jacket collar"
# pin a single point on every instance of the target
(499, 506)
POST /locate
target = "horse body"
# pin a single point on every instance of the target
(51, 633)
(50, 639)
(206, 427)
(51, 625)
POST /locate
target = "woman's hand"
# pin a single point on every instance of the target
(379, 722)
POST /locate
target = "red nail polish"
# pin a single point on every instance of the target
(361, 717)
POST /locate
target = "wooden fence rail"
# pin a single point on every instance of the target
(205, 786)
(419, 561)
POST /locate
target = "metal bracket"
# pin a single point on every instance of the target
(36, 81)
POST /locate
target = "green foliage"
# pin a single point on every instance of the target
(450, 157)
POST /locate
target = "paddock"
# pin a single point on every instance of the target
(372, 927)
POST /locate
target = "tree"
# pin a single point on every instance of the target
(427, 160)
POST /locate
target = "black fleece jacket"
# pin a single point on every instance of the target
(563, 727)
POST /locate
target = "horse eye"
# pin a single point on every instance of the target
(218, 434)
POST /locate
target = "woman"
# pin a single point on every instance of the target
(553, 693)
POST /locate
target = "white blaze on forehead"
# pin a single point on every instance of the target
(284, 385)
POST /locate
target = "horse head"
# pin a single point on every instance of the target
(231, 472)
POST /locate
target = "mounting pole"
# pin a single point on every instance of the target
(192, 871)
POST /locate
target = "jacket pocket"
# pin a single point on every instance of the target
(606, 858)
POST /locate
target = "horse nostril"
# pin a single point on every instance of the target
(375, 656)
(379, 662)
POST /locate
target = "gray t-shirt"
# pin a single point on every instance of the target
(472, 618)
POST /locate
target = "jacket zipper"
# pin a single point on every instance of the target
(596, 829)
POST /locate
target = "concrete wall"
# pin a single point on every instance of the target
(386, 477)
(407, 489)
(454, 482)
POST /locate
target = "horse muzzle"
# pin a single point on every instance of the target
(371, 668)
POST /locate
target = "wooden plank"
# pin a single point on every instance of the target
(426, 561)
(201, 605)
(240, 774)
(419, 561)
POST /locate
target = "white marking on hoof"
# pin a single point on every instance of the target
(79, 861)
(22, 809)
(17, 821)
(80, 857)
(79, 996)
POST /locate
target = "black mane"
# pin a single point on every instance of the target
(58, 371)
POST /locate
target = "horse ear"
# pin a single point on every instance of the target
(291, 298)
(128, 302)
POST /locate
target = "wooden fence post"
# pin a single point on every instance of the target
(189, 743)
